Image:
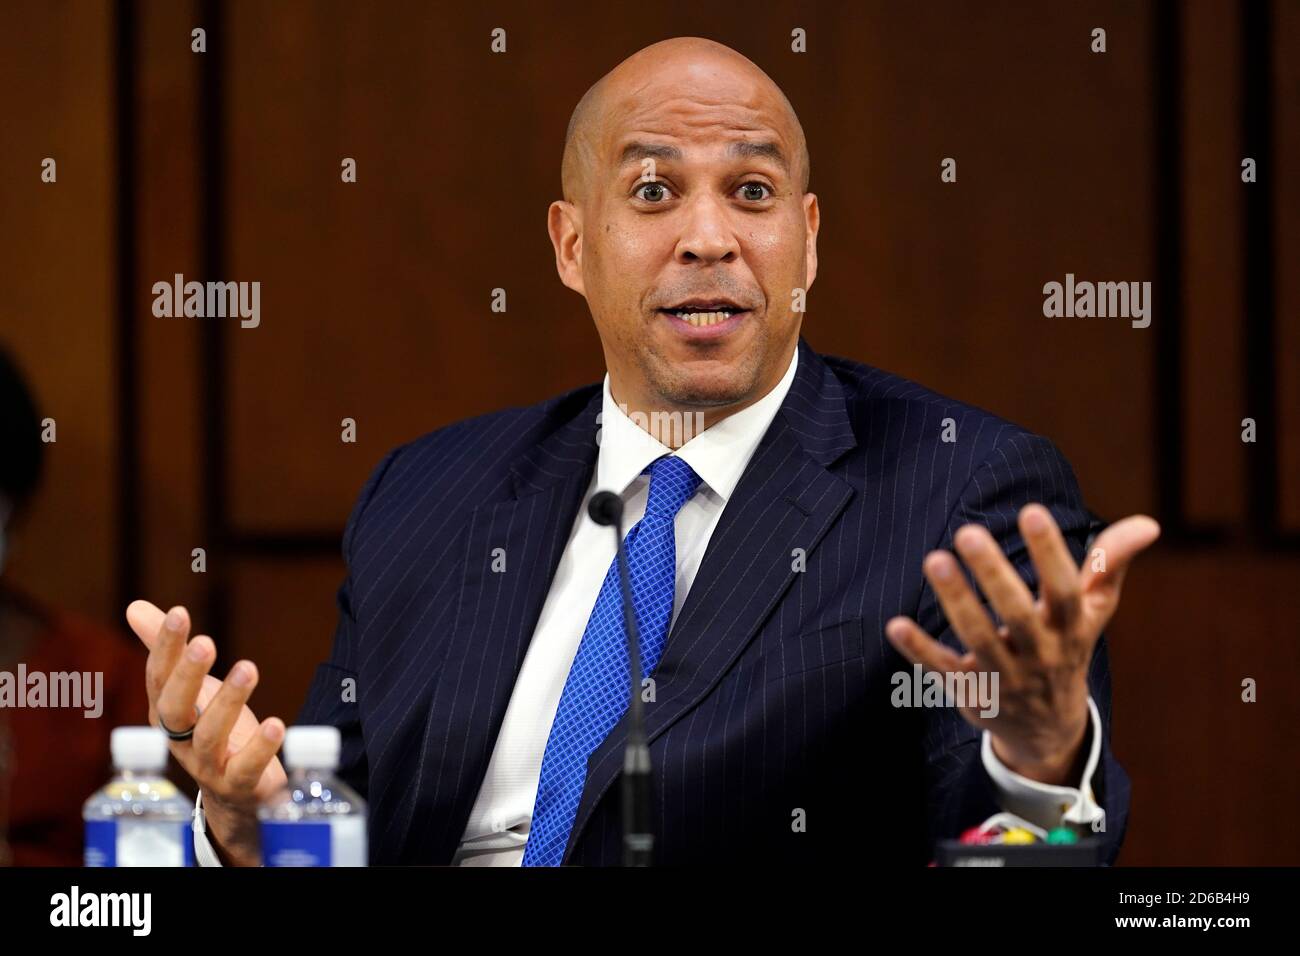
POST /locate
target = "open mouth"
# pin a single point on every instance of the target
(705, 314)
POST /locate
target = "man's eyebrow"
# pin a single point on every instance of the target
(765, 149)
(635, 152)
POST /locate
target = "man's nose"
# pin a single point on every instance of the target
(707, 236)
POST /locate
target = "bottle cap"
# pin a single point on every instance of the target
(312, 748)
(138, 748)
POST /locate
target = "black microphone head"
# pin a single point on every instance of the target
(605, 507)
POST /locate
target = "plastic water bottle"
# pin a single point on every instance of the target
(316, 820)
(139, 818)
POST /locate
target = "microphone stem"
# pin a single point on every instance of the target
(638, 840)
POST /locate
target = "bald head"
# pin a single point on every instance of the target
(683, 68)
(688, 227)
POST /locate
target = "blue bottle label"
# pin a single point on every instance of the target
(111, 843)
(101, 843)
(295, 844)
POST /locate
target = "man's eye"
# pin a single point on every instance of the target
(651, 192)
(755, 191)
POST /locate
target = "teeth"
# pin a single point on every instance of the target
(704, 318)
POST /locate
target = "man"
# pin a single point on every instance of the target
(804, 514)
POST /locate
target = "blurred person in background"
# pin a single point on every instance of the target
(51, 758)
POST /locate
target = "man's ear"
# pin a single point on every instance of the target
(564, 223)
(812, 218)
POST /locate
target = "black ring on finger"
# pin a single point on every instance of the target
(184, 734)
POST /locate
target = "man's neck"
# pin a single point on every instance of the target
(674, 424)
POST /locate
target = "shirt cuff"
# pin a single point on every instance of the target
(1047, 805)
(204, 855)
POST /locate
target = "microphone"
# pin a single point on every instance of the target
(606, 508)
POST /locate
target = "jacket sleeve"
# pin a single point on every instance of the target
(1024, 468)
(332, 697)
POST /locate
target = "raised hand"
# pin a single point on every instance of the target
(232, 756)
(1042, 650)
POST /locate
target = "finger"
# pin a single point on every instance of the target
(145, 619)
(965, 613)
(1058, 575)
(168, 643)
(910, 640)
(1113, 552)
(920, 648)
(1005, 589)
(212, 732)
(176, 703)
(246, 767)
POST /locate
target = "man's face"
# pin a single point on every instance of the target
(695, 234)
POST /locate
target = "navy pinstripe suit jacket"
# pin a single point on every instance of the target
(773, 692)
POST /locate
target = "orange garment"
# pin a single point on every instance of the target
(58, 756)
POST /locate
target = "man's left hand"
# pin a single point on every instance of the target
(1042, 650)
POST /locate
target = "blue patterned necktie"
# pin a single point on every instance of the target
(596, 692)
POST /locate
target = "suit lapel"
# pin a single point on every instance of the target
(497, 613)
(786, 499)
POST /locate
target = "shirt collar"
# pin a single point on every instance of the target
(718, 454)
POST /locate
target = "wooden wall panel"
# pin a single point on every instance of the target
(1214, 778)
(1213, 395)
(172, 419)
(374, 294)
(1286, 202)
(282, 617)
(943, 282)
(56, 297)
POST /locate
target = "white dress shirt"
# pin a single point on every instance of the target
(498, 823)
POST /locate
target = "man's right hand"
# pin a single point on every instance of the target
(231, 756)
